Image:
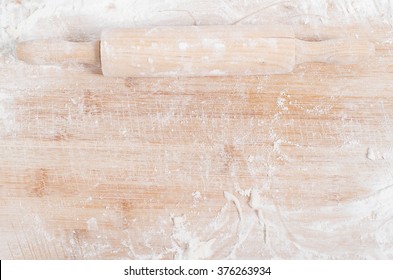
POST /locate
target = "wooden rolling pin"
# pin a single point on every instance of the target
(196, 51)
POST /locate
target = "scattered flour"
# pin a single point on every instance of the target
(92, 224)
(371, 154)
(7, 114)
(196, 198)
(243, 192)
(281, 104)
(231, 198)
(217, 72)
(188, 246)
(375, 155)
(196, 195)
(183, 46)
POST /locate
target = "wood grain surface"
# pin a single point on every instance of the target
(288, 166)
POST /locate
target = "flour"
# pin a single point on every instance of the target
(384, 238)
(196, 195)
(186, 245)
(255, 201)
(319, 110)
(41, 228)
(281, 104)
(371, 154)
(7, 114)
(183, 46)
(231, 198)
(92, 224)
(276, 145)
(196, 198)
(243, 233)
(243, 192)
(216, 72)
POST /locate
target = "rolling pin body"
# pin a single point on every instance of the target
(196, 51)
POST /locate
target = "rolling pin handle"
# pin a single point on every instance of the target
(51, 51)
(337, 51)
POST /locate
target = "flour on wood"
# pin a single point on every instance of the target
(92, 224)
(186, 244)
(367, 220)
(371, 154)
(231, 198)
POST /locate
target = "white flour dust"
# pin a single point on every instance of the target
(186, 245)
(84, 19)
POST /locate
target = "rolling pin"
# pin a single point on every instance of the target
(195, 51)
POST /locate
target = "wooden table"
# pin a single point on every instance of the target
(280, 166)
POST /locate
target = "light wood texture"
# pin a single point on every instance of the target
(93, 167)
(337, 51)
(52, 51)
(198, 51)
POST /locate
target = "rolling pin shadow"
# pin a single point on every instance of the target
(196, 51)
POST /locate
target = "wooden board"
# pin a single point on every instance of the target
(282, 166)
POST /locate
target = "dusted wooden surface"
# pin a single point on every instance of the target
(98, 167)
(196, 51)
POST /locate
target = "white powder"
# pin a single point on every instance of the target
(186, 245)
(272, 43)
(243, 192)
(7, 114)
(231, 198)
(217, 72)
(92, 224)
(183, 46)
(196, 195)
(196, 198)
(255, 201)
(219, 46)
(280, 103)
(371, 154)
(215, 44)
